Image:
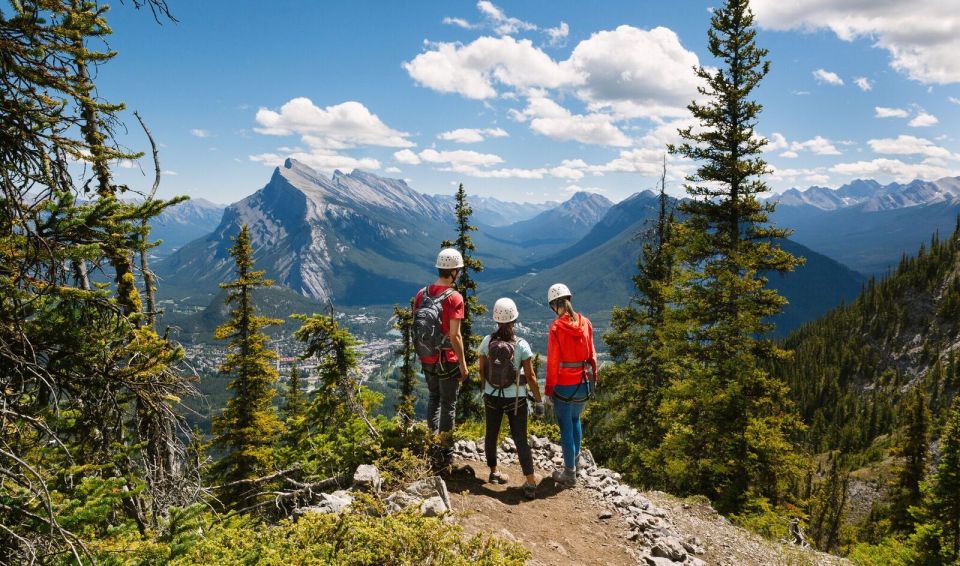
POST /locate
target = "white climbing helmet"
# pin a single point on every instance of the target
(505, 310)
(449, 258)
(557, 291)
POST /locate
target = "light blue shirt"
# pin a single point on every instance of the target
(521, 352)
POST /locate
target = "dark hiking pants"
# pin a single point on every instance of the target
(516, 410)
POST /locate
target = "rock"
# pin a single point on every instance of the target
(430, 487)
(669, 548)
(329, 503)
(508, 445)
(658, 561)
(694, 546)
(605, 515)
(692, 561)
(471, 446)
(585, 459)
(400, 500)
(558, 547)
(433, 507)
(538, 443)
(367, 478)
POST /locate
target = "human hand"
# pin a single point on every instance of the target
(538, 409)
(464, 372)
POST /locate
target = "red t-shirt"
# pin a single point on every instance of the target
(452, 308)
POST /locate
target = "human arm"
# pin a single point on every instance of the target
(456, 343)
(593, 351)
(532, 381)
(553, 362)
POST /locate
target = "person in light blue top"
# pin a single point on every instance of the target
(502, 355)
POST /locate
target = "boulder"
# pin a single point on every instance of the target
(658, 561)
(433, 507)
(329, 503)
(585, 459)
(430, 487)
(669, 548)
(400, 500)
(367, 478)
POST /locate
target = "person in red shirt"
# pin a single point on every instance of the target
(447, 369)
(571, 375)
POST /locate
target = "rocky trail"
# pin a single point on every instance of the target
(602, 521)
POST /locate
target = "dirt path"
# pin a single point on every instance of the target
(581, 526)
(578, 537)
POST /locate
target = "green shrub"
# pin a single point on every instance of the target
(889, 552)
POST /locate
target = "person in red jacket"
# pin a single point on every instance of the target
(571, 375)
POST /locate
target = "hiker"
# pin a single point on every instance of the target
(502, 354)
(438, 310)
(571, 375)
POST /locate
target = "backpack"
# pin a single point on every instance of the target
(428, 337)
(501, 372)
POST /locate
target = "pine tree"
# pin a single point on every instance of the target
(914, 468)
(623, 425)
(730, 424)
(248, 428)
(468, 404)
(938, 532)
(404, 408)
(827, 507)
(294, 398)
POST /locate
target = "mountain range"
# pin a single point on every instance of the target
(360, 239)
(868, 226)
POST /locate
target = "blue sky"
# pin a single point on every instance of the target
(526, 101)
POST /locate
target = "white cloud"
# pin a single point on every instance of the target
(169, 173)
(908, 145)
(459, 22)
(392, 170)
(824, 76)
(502, 24)
(922, 36)
(891, 168)
(801, 93)
(631, 71)
(645, 161)
(776, 142)
(548, 118)
(459, 157)
(882, 112)
(199, 133)
(923, 119)
(406, 157)
(579, 189)
(471, 70)
(341, 126)
(818, 145)
(953, 99)
(326, 162)
(863, 83)
(558, 35)
(636, 72)
(790, 154)
(472, 135)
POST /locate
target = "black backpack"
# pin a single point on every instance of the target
(428, 337)
(501, 372)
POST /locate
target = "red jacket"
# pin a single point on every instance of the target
(569, 342)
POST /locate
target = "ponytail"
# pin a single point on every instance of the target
(563, 306)
(504, 332)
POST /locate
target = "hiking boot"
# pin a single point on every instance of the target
(566, 477)
(530, 490)
(498, 477)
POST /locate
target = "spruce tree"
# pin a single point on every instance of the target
(248, 428)
(730, 424)
(294, 398)
(624, 427)
(914, 468)
(468, 404)
(407, 376)
(828, 504)
(938, 531)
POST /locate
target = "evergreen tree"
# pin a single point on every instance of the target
(248, 428)
(938, 531)
(906, 493)
(405, 408)
(468, 404)
(623, 425)
(294, 399)
(730, 424)
(827, 507)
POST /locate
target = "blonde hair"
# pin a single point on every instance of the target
(563, 306)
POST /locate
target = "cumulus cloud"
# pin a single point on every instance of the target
(631, 71)
(548, 118)
(882, 112)
(863, 83)
(472, 135)
(392, 170)
(326, 162)
(502, 24)
(908, 145)
(459, 157)
(818, 145)
(824, 76)
(406, 157)
(199, 133)
(892, 168)
(923, 119)
(558, 35)
(921, 36)
(341, 126)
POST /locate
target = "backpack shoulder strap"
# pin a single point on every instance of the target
(443, 296)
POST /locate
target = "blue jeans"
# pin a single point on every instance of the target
(568, 418)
